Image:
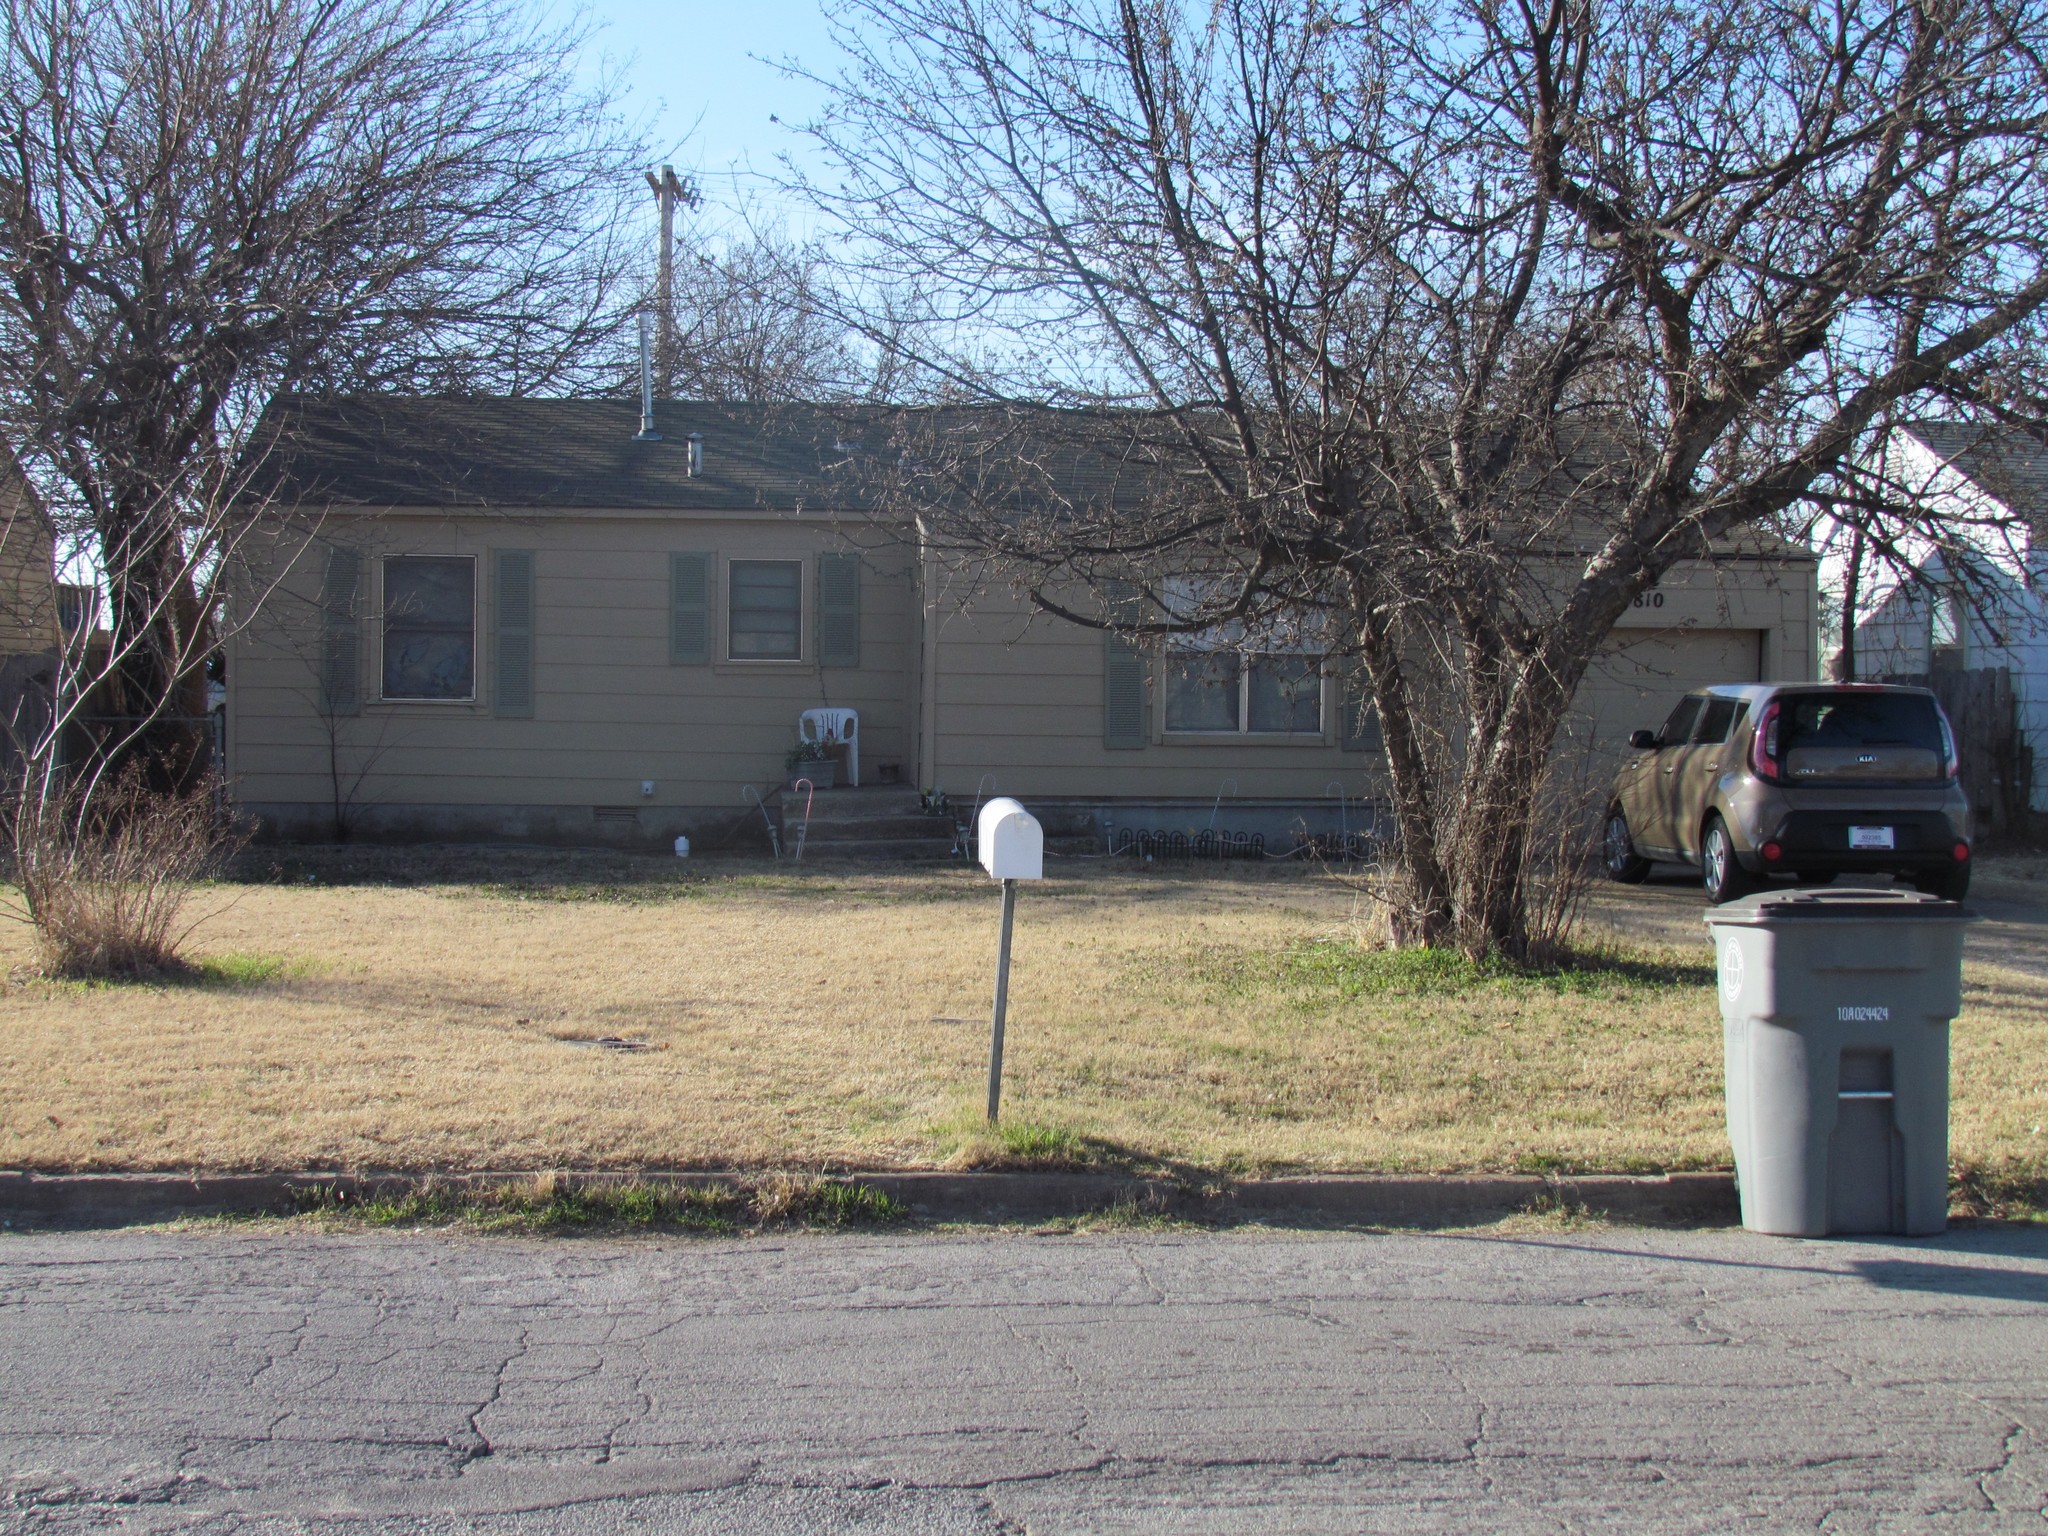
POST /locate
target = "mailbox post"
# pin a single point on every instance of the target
(1011, 846)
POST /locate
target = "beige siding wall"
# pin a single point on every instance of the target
(1774, 597)
(1017, 697)
(1000, 694)
(1752, 620)
(28, 592)
(609, 708)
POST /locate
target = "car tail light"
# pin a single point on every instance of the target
(1962, 853)
(1948, 743)
(1772, 853)
(1763, 747)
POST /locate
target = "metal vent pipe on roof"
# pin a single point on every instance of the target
(696, 442)
(647, 434)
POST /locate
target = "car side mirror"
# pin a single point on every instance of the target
(1643, 741)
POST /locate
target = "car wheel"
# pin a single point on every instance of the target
(1720, 871)
(1618, 851)
(1948, 884)
(1818, 876)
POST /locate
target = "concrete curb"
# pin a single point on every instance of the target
(1689, 1199)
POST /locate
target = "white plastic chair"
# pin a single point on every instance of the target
(834, 725)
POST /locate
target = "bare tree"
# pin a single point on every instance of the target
(1882, 523)
(1454, 324)
(754, 319)
(208, 205)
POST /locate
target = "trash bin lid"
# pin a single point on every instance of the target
(1861, 905)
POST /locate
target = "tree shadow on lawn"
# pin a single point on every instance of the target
(1351, 970)
(587, 874)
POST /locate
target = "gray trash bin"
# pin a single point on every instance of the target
(1835, 1008)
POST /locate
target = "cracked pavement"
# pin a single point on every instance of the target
(1598, 1380)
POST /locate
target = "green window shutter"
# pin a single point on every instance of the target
(689, 610)
(1357, 719)
(839, 610)
(341, 643)
(1124, 667)
(512, 633)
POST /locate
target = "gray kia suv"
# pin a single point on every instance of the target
(1809, 780)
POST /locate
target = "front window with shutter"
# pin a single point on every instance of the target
(430, 627)
(1257, 693)
(1239, 678)
(765, 610)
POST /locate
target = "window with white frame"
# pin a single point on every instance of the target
(430, 627)
(765, 610)
(1225, 680)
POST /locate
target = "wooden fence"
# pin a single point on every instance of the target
(1997, 764)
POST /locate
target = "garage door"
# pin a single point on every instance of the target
(1640, 673)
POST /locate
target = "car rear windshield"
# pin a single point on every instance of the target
(1847, 720)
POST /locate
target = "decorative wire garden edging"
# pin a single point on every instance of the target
(1219, 846)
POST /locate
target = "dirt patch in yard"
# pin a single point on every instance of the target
(475, 1008)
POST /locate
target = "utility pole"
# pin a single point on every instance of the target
(668, 191)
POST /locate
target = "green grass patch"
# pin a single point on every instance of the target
(230, 971)
(1024, 1143)
(1322, 971)
(1126, 1215)
(548, 1205)
(247, 970)
(1553, 1211)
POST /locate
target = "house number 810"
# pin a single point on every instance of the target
(1648, 600)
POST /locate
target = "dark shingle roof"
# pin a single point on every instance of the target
(2005, 463)
(425, 452)
(413, 451)
(526, 453)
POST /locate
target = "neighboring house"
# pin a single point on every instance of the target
(512, 619)
(29, 616)
(1979, 597)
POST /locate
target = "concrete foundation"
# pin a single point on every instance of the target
(1097, 824)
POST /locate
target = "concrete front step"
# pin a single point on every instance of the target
(853, 804)
(883, 822)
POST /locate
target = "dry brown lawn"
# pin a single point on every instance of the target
(416, 1012)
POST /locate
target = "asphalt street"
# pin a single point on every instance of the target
(1596, 1380)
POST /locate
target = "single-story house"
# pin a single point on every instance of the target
(1978, 597)
(520, 619)
(29, 600)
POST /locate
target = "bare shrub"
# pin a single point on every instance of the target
(1564, 853)
(104, 875)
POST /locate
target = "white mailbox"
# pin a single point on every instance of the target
(1010, 841)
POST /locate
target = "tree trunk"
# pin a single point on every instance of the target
(1470, 879)
(1423, 910)
(156, 693)
(1845, 658)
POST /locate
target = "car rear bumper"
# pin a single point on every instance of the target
(1819, 840)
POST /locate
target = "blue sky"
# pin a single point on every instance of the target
(701, 69)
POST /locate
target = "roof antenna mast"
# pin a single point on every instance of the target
(646, 434)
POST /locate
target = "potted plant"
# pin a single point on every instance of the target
(808, 760)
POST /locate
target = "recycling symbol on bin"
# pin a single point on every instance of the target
(1731, 971)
